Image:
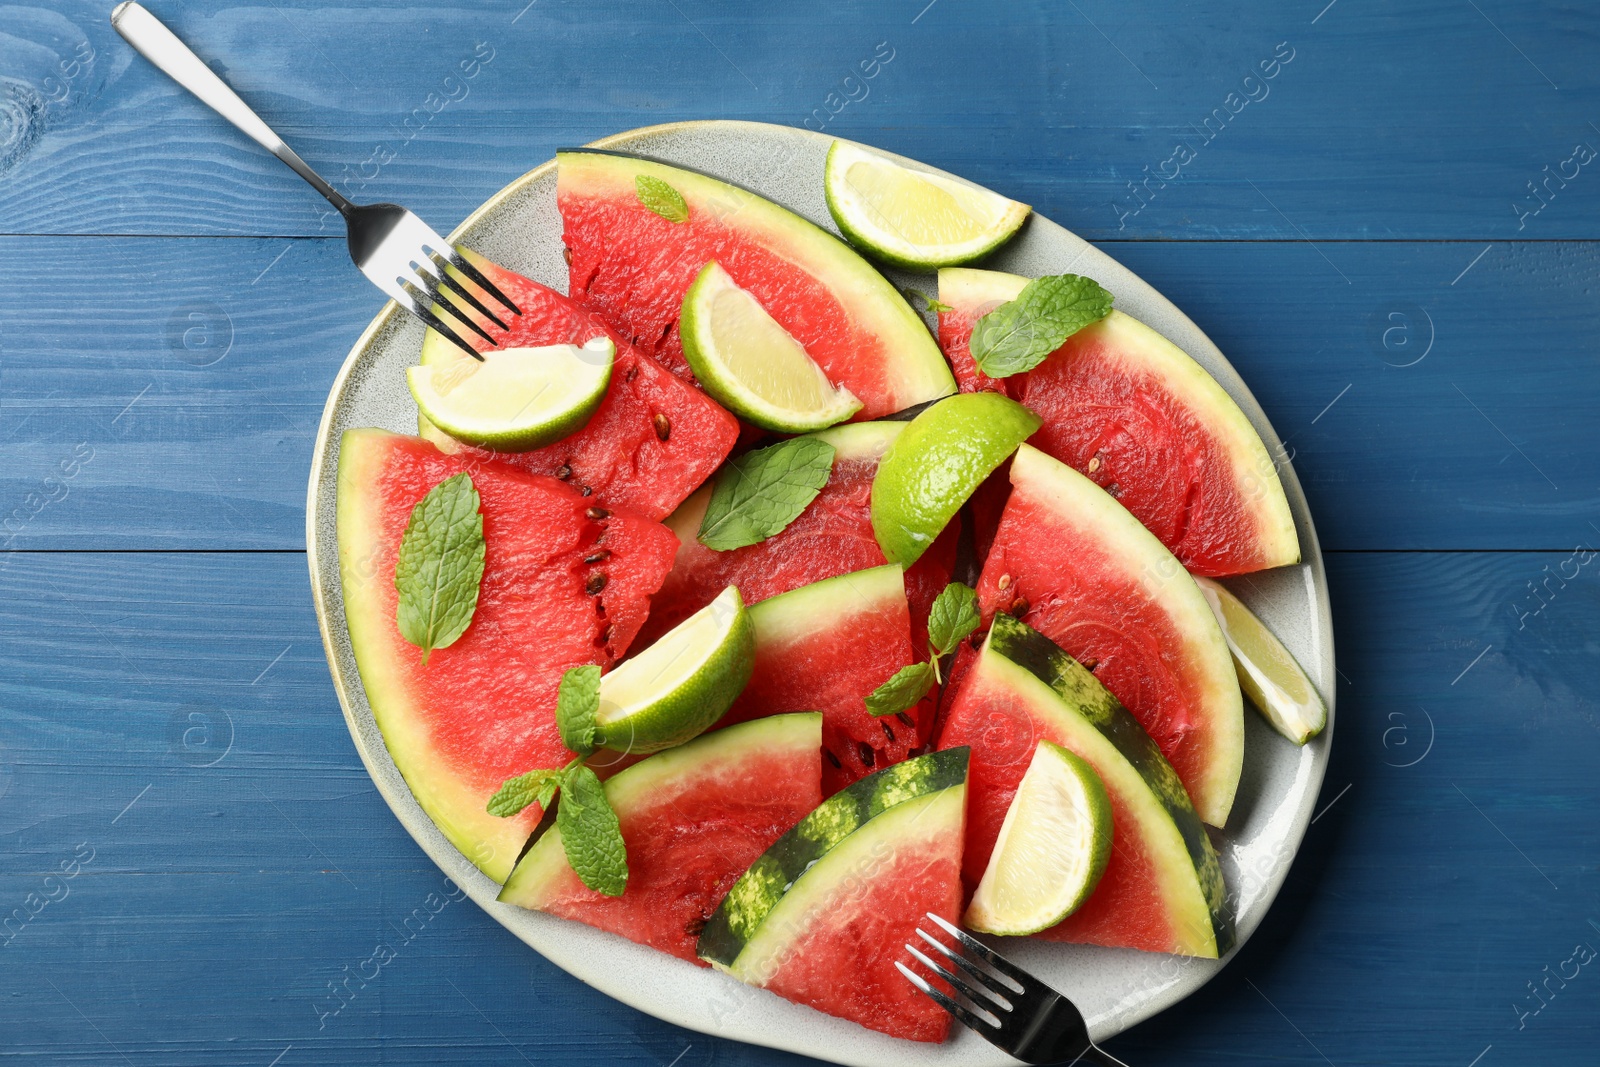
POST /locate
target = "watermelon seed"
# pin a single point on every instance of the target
(868, 757)
(633, 371)
(1005, 581)
(584, 490)
(597, 514)
(903, 717)
(832, 758)
(1019, 606)
(887, 731)
(1089, 664)
(596, 557)
(605, 635)
(595, 583)
(1115, 490)
(1094, 463)
(663, 427)
(563, 472)
(566, 254)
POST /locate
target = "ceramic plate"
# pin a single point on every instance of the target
(1115, 988)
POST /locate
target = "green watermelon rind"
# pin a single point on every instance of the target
(806, 861)
(1092, 723)
(1277, 541)
(825, 606)
(541, 869)
(919, 372)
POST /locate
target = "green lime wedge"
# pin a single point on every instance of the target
(751, 364)
(678, 687)
(914, 218)
(937, 461)
(1052, 849)
(515, 399)
(1268, 673)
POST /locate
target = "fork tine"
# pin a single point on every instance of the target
(1007, 969)
(421, 310)
(434, 297)
(971, 1020)
(446, 278)
(978, 973)
(975, 995)
(460, 263)
(439, 296)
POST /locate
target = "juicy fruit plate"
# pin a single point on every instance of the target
(725, 607)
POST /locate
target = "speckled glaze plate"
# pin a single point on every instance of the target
(1115, 988)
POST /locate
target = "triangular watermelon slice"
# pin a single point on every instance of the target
(1129, 409)
(827, 646)
(1162, 889)
(832, 536)
(1075, 565)
(654, 437)
(633, 264)
(482, 709)
(823, 915)
(693, 819)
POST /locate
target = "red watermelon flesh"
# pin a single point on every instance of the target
(832, 536)
(826, 647)
(633, 266)
(654, 437)
(693, 819)
(482, 709)
(1129, 409)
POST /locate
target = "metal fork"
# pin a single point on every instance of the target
(1010, 1008)
(397, 251)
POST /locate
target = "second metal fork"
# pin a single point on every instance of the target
(396, 250)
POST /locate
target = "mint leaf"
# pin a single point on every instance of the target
(591, 834)
(576, 704)
(901, 692)
(440, 565)
(1019, 334)
(535, 787)
(929, 302)
(954, 616)
(661, 198)
(763, 491)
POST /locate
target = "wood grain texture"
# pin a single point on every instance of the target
(217, 907)
(1390, 121)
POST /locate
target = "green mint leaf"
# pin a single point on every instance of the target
(954, 616)
(535, 787)
(440, 565)
(761, 492)
(901, 692)
(591, 834)
(929, 302)
(661, 198)
(576, 704)
(1019, 334)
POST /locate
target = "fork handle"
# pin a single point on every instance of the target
(1096, 1054)
(150, 37)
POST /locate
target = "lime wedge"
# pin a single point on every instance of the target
(913, 218)
(1052, 848)
(678, 687)
(515, 399)
(751, 364)
(1268, 673)
(936, 463)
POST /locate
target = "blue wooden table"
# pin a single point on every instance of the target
(1395, 237)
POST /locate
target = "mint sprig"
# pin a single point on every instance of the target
(591, 836)
(1019, 334)
(661, 198)
(763, 491)
(954, 615)
(440, 565)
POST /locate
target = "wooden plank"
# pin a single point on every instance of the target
(1363, 134)
(229, 883)
(195, 386)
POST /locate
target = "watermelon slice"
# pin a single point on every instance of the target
(822, 916)
(1075, 565)
(832, 536)
(633, 266)
(1131, 410)
(827, 646)
(693, 819)
(482, 709)
(654, 437)
(1162, 890)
